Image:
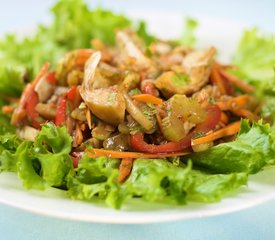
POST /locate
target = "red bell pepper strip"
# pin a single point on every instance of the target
(138, 144)
(213, 117)
(32, 114)
(51, 78)
(61, 112)
(32, 99)
(62, 108)
(28, 101)
(71, 94)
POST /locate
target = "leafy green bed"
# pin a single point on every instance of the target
(204, 177)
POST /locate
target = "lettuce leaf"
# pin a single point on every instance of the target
(255, 57)
(253, 148)
(157, 181)
(5, 126)
(75, 24)
(93, 177)
(53, 139)
(153, 180)
(28, 167)
(205, 187)
(8, 146)
(46, 162)
(188, 36)
(8, 142)
(10, 73)
(255, 61)
(23, 58)
(143, 33)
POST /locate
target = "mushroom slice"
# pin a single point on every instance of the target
(106, 103)
(129, 48)
(196, 68)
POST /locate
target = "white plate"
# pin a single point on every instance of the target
(55, 203)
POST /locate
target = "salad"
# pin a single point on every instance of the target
(112, 112)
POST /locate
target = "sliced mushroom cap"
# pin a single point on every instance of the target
(106, 103)
(44, 89)
(129, 48)
(89, 73)
(196, 66)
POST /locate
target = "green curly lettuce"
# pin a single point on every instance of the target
(255, 61)
(253, 149)
(45, 162)
(153, 180)
(93, 177)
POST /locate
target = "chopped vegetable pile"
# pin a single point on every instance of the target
(111, 112)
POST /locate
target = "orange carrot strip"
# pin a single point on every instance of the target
(147, 98)
(82, 55)
(125, 168)
(216, 78)
(116, 154)
(224, 118)
(233, 103)
(237, 82)
(226, 131)
(7, 109)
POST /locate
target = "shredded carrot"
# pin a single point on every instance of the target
(42, 72)
(226, 131)
(125, 168)
(147, 98)
(246, 114)
(237, 82)
(7, 109)
(233, 103)
(82, 55)
(116, 154)
(217, 79)
(224, 118)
